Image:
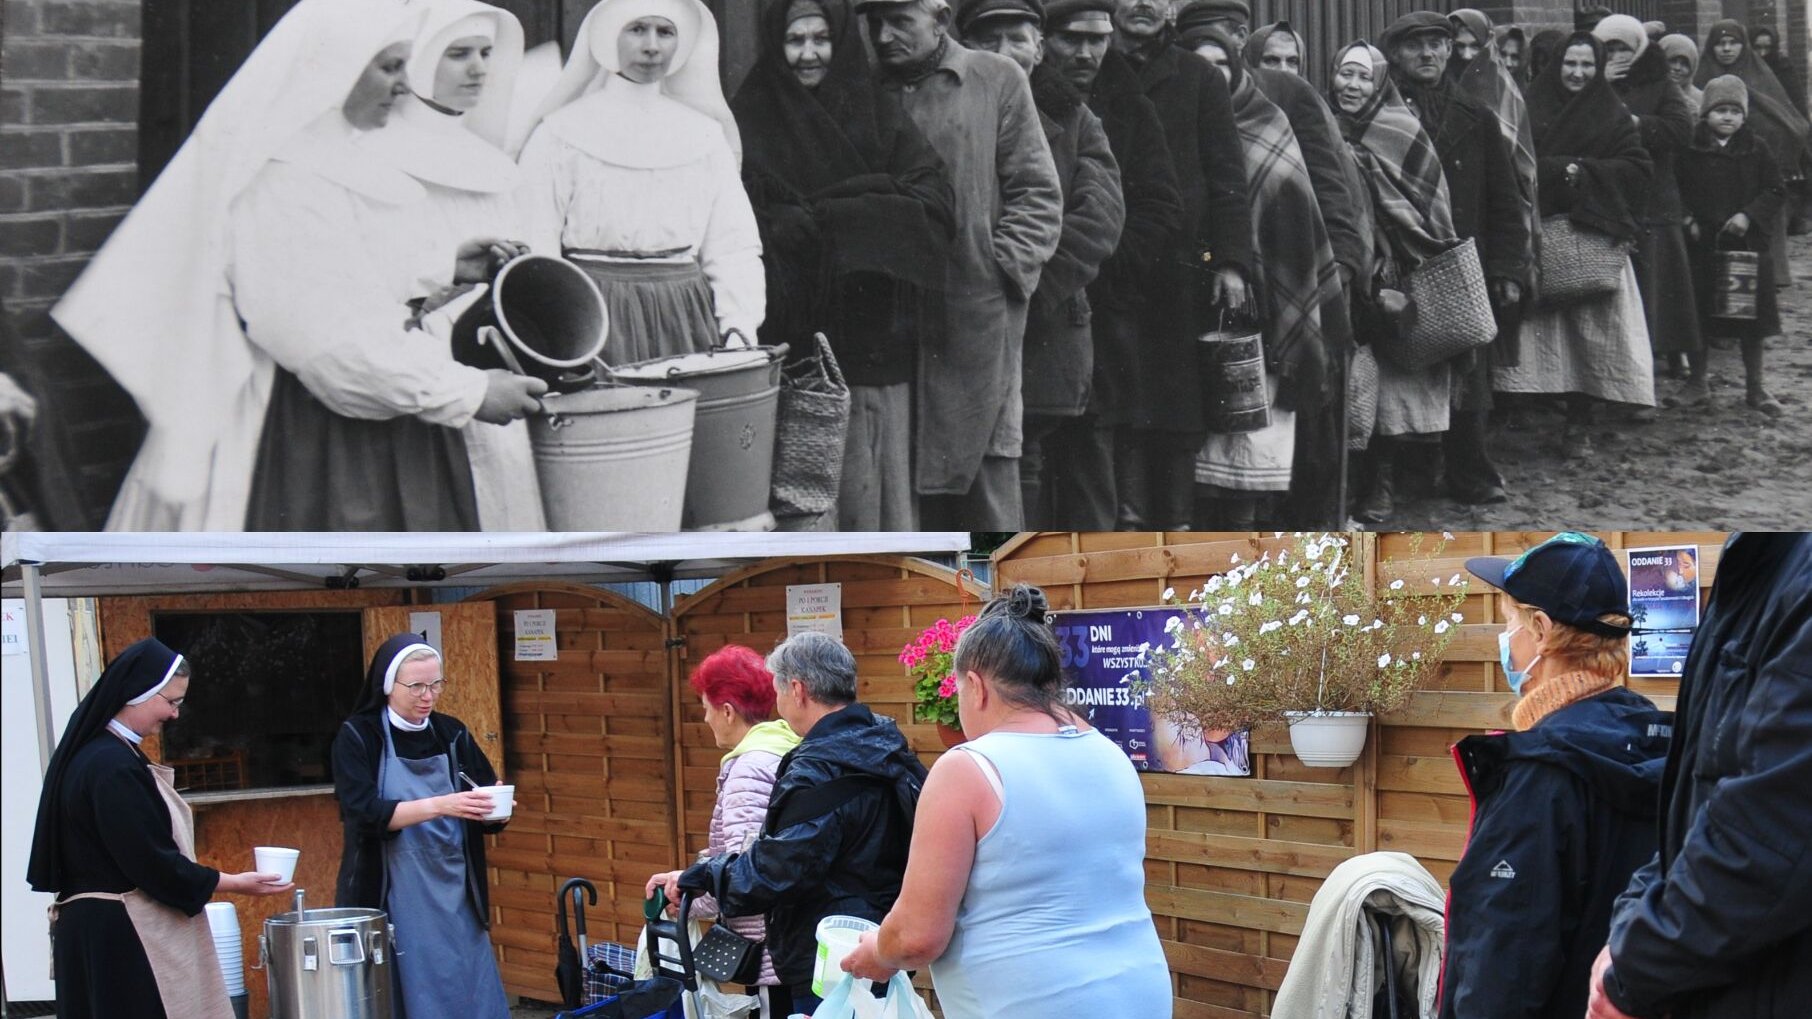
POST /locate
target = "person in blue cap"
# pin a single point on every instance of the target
(1563, 807)
(1719, 922)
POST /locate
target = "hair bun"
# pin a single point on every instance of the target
(1027, 602)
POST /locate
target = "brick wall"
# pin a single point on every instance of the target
(69, 108)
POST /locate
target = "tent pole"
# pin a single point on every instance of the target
(40, 669)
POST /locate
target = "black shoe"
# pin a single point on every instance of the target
(1487, 495)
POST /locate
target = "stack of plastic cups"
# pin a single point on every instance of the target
(223, 922)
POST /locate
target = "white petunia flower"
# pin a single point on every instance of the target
(1226, 608)
(1234, 558)
(1417, 656)
(1350, 619)
(1269, 626)
(1447, 535)
(1169, 593)
(1231, 640)
(1174, 624)
(1301, 614)
(1256, 598)
(1421, 620)
(1458, 618)
(1441, 627)
(1248, 665)
(1314, 551)
(1455, 579)
(1384, 659)
(1396, 585)
(1302, 582)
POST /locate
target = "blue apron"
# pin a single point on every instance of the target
(444, 962)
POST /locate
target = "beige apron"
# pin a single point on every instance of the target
(180, 948)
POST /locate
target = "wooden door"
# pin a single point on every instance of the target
(468, 635)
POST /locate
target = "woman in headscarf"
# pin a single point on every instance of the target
(408, 780)
(855, 213)
(1541, 51)
(1412, 221)
(1485, 76)
(633, 175)
(1682, 64)
(1772, 117)
(447, 133)
(1277, 46)
(1513, 53)
(1766, 44)
(283, 303)
(1594, 171)
(1297, 279)
(1638, 72)
(115, 843)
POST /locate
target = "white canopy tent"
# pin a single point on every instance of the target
(69, 565)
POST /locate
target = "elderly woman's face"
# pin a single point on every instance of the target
(1281, 53)
(459, 77)
(418, 687)
(1578, 67)
(1216, 57)
(645, 49)
(367, 106)
(1727, 49)
(807, 48)
(1354, 86)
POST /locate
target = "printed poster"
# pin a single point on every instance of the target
(1104, 653)
(12, 636)
(535, 636)
(816, 608)
(1664, 608)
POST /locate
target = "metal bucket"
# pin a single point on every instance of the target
(328, 963)
(613, 458)
(1232, 366)
(1736, 278)
(542, 316)
(733, 445)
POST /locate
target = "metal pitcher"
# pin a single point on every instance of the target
(328, 963)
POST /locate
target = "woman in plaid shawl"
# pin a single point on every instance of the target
(1412, 222)
(1296, 277)
(1486, 77)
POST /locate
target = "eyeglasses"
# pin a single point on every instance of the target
(177, 703)
(1563, 538)
(418, 689)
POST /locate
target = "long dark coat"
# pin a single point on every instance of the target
(1716, 183)
(1060, 351)
(1665, 121)
(1196, 109)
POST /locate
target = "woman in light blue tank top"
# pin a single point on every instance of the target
(1025, 888)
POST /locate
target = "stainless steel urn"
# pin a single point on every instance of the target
(328, 963)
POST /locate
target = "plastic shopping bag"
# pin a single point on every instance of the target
(850, 999)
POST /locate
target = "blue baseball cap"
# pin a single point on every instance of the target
(1573, 577)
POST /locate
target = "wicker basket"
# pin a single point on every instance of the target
(1578, 264)
(812, 428)
(1452, 311)
(1361, 398)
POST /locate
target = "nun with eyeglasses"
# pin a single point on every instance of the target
(408, 781)
(115, 843)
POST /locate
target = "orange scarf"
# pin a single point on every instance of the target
(1557, 692)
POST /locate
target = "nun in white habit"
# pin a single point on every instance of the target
(448, 134)
(634, 175)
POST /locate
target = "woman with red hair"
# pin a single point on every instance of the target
(737, 692)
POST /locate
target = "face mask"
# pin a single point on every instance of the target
(1515, 677)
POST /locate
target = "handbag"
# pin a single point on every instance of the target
(1453, 311)
(1578, 263)
(810, 431)
(727, 957)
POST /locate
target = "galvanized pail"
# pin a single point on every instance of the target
(1232, 365)
(614, 458)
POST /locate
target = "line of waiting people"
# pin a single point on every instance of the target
(1014, 229)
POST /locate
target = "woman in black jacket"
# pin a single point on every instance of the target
(1564, 807)
(414, 835)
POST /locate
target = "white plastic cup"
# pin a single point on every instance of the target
(276, 860)
(503, 801)
(837, 937)
(223, 919)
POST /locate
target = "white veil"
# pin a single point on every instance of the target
(154, 306)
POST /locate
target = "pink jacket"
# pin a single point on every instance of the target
(744, 784)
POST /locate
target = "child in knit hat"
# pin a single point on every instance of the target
(1732, 188)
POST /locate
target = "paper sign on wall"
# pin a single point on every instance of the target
(535, 636)
(428, 625)
(12, 636)
(814, 607)
(1664, 606)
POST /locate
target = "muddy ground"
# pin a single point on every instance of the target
(1723, 468)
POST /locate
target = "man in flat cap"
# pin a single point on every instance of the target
(1059, 348)
(1234, 17)
(976, 109)
(1080, 486)
(1205, 277)
(1488, 207)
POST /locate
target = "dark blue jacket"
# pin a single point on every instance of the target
(1719, 923)
(1562, 814)
(847, 861)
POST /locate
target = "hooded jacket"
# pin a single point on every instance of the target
(1562, 814)
(1715, 924)
(848, 860)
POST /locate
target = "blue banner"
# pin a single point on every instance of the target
(1104, 654)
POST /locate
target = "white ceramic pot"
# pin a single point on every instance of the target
(1328, 739)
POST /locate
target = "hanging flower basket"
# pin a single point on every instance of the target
(930, 663)
(1328, 739)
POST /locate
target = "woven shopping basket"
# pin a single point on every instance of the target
(1452, 311)
(812, 428)
(1361, 398)
(1577, 263)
